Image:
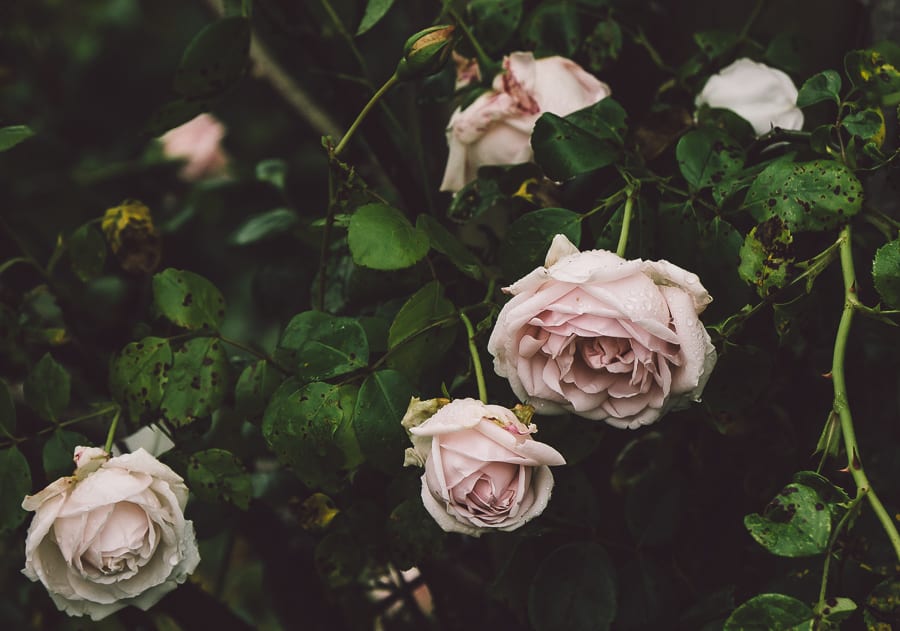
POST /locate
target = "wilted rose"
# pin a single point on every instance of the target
(496, 127)
(764, 96)
(483, 470)
(603, 337)
(199, 143)
(111, 535)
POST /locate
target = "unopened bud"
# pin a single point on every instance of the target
(425, 52)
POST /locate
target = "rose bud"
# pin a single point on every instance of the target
(112, 535)
(496, 128)
(763, 96)
(198, 143)
(483, 470)
(425, 53)
(604, 338)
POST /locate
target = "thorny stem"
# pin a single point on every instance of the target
(841, 403)
(51, 428)
(626, 222)
(476, 360)
(823, 589)
(111, 434)
(365, 111)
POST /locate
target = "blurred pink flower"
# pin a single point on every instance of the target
(199, 143)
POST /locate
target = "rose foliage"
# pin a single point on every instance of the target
(481, 314)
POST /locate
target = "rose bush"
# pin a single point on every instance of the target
(483, 470)
(496, 127)
(199, 143)
(605, 338)
(764, 96)
(111, 535)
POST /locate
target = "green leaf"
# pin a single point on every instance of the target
(796, 523)
(215, 59)
(773, 612)
(254, 388)
(7, 411)
(383, 399)
(552, 28)
(447, 244)
(308, 427)
(423, 308)
(707, 157)
(766, 256)
(604, 44)
(494, 21)
(264, 226)
(581, 142)
(882, 603)
(273, 171)
(87, 252)
(817, 195)
(197, 381)
(15, 484)
(58, 452)
(868, 124)
(528, 238)
(217, 475)
(339, 559)
(188, 299)
(47, 388)
(824, 86)
(14, 134)
(375, 10)
(175, 113)
(138, 374)
(381, 237)
(320, 346)
(871, 70)
(574, 589)
(653, 508)
(412, 534)
(886, 273)
(715, 43)
(835, 610)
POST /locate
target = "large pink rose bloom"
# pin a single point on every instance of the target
(496, 127)
(199, 143)
(605, 338)
(483, 470)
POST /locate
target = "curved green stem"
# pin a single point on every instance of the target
(841, 403)
(626, 222)
(484, 61)
(476, 360)
(252, 351)
(111, 434)
(365, 111)
(845, 518)
(52, 428)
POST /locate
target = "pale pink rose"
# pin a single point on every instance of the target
(199, 143)
(763, 96)
(496, 127)
(483, 470)
(112, 535)
(467, 70)
(605, 338)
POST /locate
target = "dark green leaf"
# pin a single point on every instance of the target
(309, 429)
(7, 411)
(574, 589)
(447, 244)
(175, 113)
(137, 376)
(529, 237)
(339, 559)
(494, 21)
(817, 195)
(188, 299)
(375, 10)
(319, 346)
(872, 71)
(273, 171)
(197, 381)
(87, 252)
(216, 475)
(215, 59)
(425, 307)
(15, 483)
(552, 28)
(254, 387)
(383, 399)
(883, 603)
(707, 157)
(715, 43)
(47, 388)
(583, 141)
(825, 86)
(647, 595)
(14, 134)
(766, 259)
(868, 124)
(266, 225)
(653, 508)
(382, 238)
(59, 451)
(412, 534)
(886, 273)
(772, 612)
(796, 523)
(604, 44)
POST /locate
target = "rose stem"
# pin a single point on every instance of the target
(111, 435)
(484, 62)
(841, 402)
(626, 223)
(845, 519)
(476, 360)
(365, 111)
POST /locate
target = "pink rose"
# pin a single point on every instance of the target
(112, 535)
(483, 470)
(199, 143)
(496, 127)
(605, 338)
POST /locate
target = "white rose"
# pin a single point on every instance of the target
(764, 96)
(111, 535)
